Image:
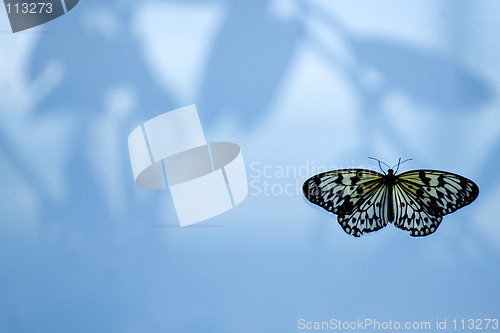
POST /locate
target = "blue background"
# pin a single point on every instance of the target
(300, 85)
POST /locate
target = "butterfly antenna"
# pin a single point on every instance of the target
(380, 163)
(399, 163)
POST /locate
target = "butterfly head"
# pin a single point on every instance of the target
(390, 179)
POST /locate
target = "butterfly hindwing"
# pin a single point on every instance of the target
(357, 196)
(409, 213)
(369, 214)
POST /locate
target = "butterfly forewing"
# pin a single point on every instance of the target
(357, 196)
(438, 192)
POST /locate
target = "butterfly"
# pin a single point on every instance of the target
(365, 200)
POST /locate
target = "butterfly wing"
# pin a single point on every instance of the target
(359, 197)
(422, 197)
(409, 213)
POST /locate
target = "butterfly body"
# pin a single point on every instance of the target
(390, 180)
(365, 200)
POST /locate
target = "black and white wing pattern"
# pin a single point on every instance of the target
(423, 197)
(365, 200)
(359, 198)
